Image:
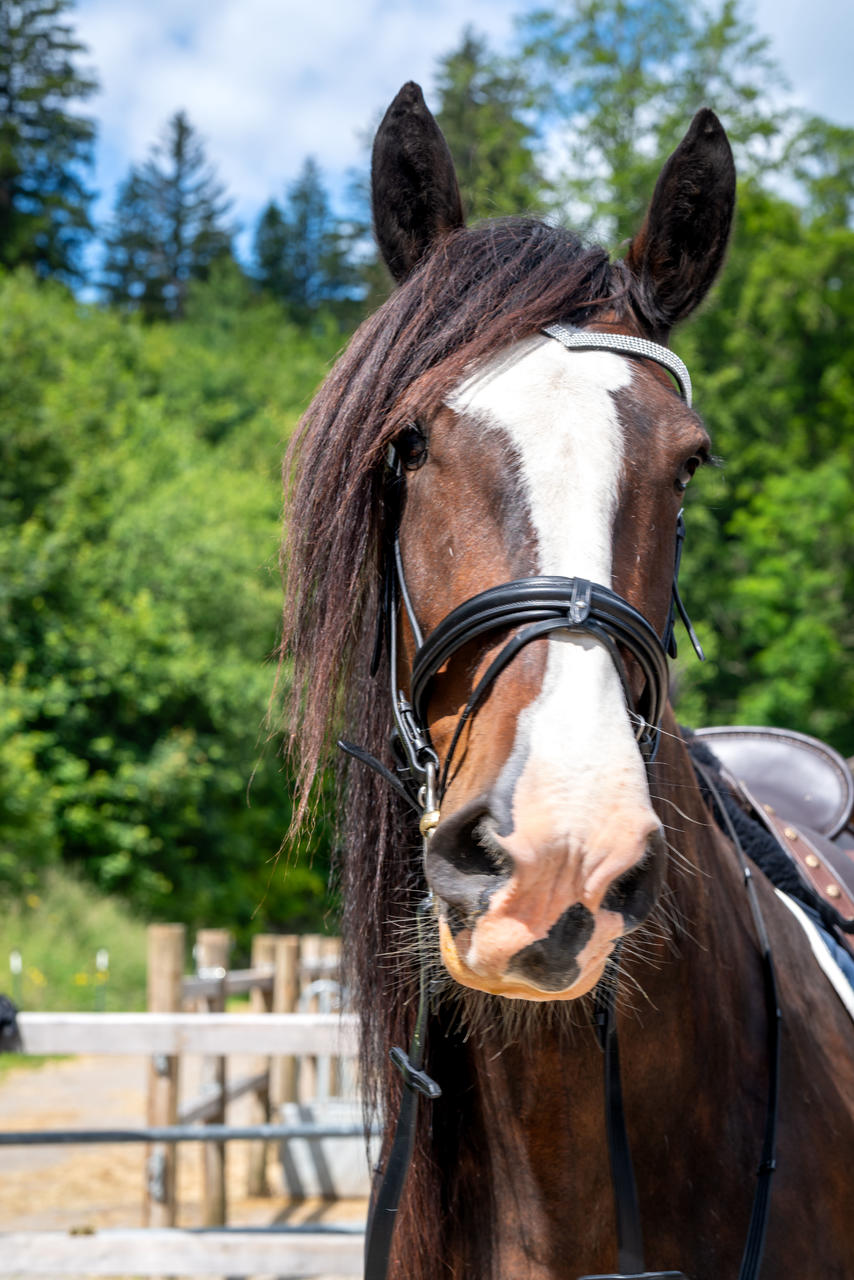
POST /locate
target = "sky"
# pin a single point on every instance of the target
(268, 82)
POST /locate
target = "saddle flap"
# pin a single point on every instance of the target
(805, 781)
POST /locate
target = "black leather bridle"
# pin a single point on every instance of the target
(534, 607)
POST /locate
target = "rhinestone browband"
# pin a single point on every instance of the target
(586, 339)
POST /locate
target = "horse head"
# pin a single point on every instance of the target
(541, 462)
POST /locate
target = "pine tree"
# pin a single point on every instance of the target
(168, 226)
(45, 149)
(484, 114)
(270, 251)
(301, 252)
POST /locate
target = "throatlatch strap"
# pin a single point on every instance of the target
(626, 1208)
(383, 1214)
(754, 1245)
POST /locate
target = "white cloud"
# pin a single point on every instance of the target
(266, 82)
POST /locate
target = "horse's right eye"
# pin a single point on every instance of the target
(412, 446)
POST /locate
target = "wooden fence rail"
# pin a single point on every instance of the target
(315, 1034)
(173, 1252)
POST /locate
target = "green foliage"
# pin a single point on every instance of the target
(769, 565)
(140, 603)
(168, 226)
(45, 149)
(485, 112)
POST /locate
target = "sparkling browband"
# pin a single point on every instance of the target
(586, 339)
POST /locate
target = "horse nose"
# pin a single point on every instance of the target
(465, 864)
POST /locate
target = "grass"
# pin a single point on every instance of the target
(58, 932)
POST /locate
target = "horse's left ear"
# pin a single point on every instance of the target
(679, 249)
(415, 195)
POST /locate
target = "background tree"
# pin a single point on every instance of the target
(620, 79)
(302, 252)
(140, 509)
(45, 148)
(168, 227)
(486, 113)
(822, 157)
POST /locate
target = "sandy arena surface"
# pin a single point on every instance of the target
(77, 1188)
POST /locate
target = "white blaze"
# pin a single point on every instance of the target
(574, 749)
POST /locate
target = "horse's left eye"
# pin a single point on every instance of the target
(412, 446)
(687, 472)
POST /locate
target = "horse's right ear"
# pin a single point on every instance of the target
(414, 190)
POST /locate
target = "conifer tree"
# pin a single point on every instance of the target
(168, 226)
(45, 148)
(302, 251)
(484, 114)
(271, 249)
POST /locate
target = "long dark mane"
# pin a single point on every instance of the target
(481, 290)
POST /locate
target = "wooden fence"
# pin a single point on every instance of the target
(281, 969)
(274, 1029)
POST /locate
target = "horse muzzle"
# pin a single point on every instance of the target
(539, 921)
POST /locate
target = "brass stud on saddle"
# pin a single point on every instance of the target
(833, 891)
(811, 860)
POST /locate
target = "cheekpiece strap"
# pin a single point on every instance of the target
(587, 339)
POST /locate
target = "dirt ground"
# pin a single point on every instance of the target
(76, 1188)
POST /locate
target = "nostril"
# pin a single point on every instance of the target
(465, 863)
(635, 893)
(467, 840)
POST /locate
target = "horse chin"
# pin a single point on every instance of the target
(511, 986)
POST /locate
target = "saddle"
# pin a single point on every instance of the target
(802, 792)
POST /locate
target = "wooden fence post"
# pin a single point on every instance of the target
(283, 1071)
(212, 948)
(330, 950)
(310, 971)
(166, 945)
(260, 1001)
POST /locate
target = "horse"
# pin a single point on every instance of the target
(501, 448)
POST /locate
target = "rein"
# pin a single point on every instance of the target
(540, 605)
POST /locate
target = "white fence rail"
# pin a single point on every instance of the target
(172, 1251)
(220, 1034)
